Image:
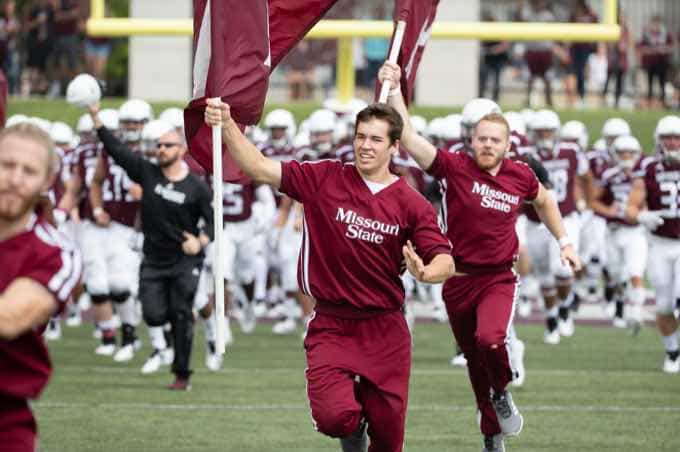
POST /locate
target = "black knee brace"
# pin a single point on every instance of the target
(98, 299)
(120, 297)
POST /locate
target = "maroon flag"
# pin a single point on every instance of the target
(419, 16)
(234, 53)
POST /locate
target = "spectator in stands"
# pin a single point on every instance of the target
(66, 42)
(10, 26)
(539, 54)
(39, 26)
(300, 72)
(495, 55)
(579, 53)
(617, 59)
(655, 49)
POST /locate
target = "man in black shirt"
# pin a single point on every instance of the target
(173, 202)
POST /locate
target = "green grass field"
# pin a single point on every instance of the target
(601, 390)
(642, 123)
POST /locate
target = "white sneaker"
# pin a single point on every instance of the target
(213, 361)
(260, 310)
(671, 366)
(524, 307)
(619, 322)
(167, 356)
(286, 326)
(566, 327)
(124, 354)
(509, 418)
(247, 319)
(97, 333)
(551, 337)
(53, 330)
(105, 349)
(74, 318)
(610, 309)
(439, 314)
(153, 364)
(459, 360)
(517, 362)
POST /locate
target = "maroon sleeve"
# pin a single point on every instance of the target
(441, 164)
(301, 181)
(427, 236)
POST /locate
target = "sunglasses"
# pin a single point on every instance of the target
(166, 145)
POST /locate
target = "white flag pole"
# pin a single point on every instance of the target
(218, 251)
(394, 54)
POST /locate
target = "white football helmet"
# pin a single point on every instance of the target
(83, 91)
(626, 143)
(174, 116)
(85, 125)
(419, 124)
(451, 128)
(255, 134)
(434, 130)
(614, 127)
(280, 119)
(545, 125)
(42, 123)
(133, 114)
(16, 119)
(516, 122)
(109, 117)
(600, 145)
(322, 122)
(62, 134)
(667, 137)
(473, 111)
(576, 132)
(301, 140)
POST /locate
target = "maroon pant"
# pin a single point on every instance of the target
(480, 309)
(359, 368)
(18, 432)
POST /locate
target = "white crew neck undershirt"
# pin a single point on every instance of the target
(377, 187)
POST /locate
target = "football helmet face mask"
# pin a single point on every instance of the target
(627, 151)
(321, 126)
(667, 138)
(133, 114)
(275, 122)
(545, 127)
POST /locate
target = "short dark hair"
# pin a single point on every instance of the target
(385, 113)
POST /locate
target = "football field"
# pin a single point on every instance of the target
(601, 390)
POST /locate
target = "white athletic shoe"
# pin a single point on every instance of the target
(153, 363)
(517, 362)
(260, 310)
(247, 319)
(167, 356)
(96, 333)
(74, 319)
(509, 419)
(286, 326)
(124, 354)
(213, 361)
(459, 360)
(566, 327)
(105, 349)
(619, 322)
(610, 309)
(53, 330)
(671, 366)
(439, 314)
(551, 337)
(524, 307)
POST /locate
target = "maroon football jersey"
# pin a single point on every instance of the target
(403, 162)
(662, 183)
(281, 154)
(519, 146)
(43, 255)
(563, 168)
(598, 162)
(85, 165)
(117, 199)
(345, 153)
(352, 239)
(616, 185)
(480, 210)
(238, 201)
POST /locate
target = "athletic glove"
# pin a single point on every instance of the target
(650, 219)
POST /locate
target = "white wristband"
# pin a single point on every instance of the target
(97, 210)
(564, 242)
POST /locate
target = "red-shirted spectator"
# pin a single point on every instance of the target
(360, 223)
(655, 49)
(617, 60)
(39, 271)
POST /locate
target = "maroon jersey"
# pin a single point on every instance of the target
(238, 201)
(281, 154)
(519, 146)
(662, 183)
(352, 239)
(616, 184)
(345, 153)
(43, 255)
(117, 199)
(85, 165)
(563, 167)
(404, 164)
(480, 210)
(598, 162)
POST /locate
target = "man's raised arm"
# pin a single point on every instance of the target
(422, 151)
(247, 156)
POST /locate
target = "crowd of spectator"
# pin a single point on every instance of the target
(43, 45)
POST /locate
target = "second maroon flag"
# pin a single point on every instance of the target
(236, 46)
(419, 16)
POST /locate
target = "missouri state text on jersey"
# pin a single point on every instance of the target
(352, 237)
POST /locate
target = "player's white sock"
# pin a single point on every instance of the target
(290, 307)
(157, 338)
(128, 312)
(260, 287)
(108, 324)
(670, 342)
(210, 328)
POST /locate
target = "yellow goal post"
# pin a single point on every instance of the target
(345, 30)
